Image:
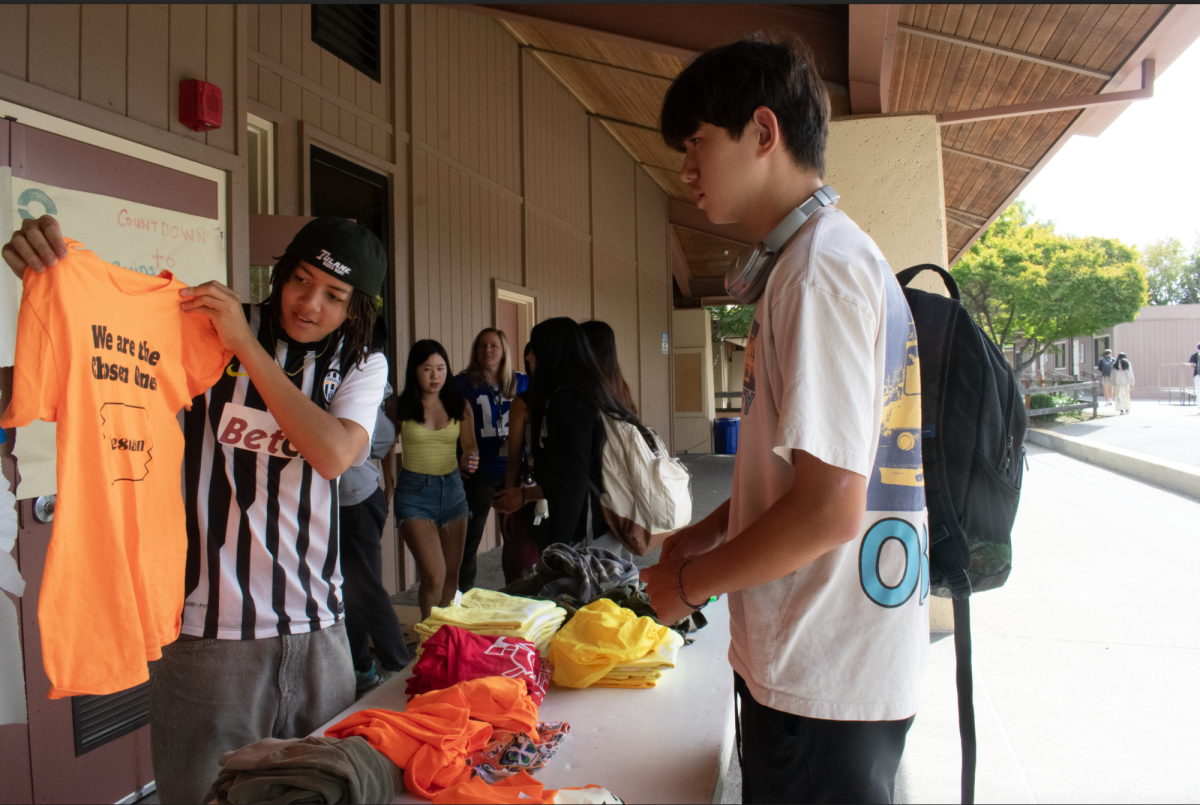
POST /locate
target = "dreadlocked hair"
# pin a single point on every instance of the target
(358, 328)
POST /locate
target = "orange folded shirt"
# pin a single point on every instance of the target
(431, 739)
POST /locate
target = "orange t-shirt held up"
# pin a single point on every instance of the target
(107, 354)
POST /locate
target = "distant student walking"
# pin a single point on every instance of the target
(430, 504)
(1123, 381)
(1195, 362)
(1105, 366)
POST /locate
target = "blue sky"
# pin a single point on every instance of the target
(1138, 181)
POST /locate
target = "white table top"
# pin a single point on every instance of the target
(669, 743)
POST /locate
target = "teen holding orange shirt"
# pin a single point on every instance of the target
(263, 650)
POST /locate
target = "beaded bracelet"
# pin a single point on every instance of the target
(679, 584)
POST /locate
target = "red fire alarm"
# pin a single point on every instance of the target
(199, 105)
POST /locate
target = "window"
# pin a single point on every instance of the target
(350, 32)
(260, 142)
(1060, 356)
(260, 181)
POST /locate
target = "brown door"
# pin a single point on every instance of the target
(84, 748)
(507, 322)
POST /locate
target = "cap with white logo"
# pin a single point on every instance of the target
(343, 249)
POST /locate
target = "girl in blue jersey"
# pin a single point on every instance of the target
(489, 385)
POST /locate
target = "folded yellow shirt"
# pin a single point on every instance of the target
(635, 684)
(663, 656)
(600, 637)
(494, 614)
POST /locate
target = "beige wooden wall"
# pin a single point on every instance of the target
(128, 60)
(496, 171)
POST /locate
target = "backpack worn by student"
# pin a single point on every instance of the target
(973, 429)
(646, 492)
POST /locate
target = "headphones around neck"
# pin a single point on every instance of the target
(747, 280)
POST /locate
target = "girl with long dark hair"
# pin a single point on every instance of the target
(431, 506)
(567, 395)
(1122, 375)
(604, 346)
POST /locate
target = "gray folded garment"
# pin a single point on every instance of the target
(329, 770)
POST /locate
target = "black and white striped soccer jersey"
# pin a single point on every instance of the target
(262, 523)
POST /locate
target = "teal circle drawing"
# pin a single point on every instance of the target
(31, 195)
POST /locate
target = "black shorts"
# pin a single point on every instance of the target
(791, 758)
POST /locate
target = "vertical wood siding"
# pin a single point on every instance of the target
(466, 183)
(614, 247)
(556, 148)
(557, 203)
(654, 304)
(126, 59)
(466, 92)
(509, 179)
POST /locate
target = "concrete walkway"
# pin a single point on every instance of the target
(1154, 429)
(1086, 661)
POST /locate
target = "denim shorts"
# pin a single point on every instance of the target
(439, 498)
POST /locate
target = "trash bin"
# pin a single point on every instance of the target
(726, 434)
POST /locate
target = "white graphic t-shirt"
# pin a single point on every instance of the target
(831, 369)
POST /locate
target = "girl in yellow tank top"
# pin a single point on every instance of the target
(431, 506)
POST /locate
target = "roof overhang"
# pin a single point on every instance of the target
(948, 60)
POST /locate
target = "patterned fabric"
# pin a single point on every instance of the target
(509, 752)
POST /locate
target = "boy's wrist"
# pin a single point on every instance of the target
(680, 584)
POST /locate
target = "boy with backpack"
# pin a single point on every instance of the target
(823, 545)
(1105, 367)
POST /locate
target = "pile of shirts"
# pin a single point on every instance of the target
(575, 577)
(305, 770)
(579, 575)
(494, 614)
(605, 645)
(438, 731)
(455, 655)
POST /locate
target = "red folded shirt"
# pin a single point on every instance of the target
(454, 655)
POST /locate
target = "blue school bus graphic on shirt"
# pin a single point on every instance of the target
(897, 480)
(897, 483)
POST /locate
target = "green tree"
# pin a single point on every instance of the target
(1024, 279)
(1173, 275)
(731, 321)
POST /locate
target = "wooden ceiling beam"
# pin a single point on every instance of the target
(982, 158)
(536, 49)
(964, 215)
(1016, 54)
(1055, 105)
(872, 51)
(690, 216)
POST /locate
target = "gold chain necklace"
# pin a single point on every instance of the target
(305, 365)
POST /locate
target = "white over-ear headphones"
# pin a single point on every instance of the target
(747, 279)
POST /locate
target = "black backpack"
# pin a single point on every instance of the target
(973, 430)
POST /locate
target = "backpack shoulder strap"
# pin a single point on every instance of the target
(966, 699)
(907, 275)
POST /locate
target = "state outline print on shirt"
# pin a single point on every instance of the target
(127, 431)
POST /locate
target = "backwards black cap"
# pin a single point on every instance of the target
(343, 249)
